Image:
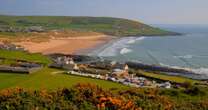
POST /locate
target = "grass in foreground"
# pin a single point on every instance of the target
(17, 55)
(50, 79)
(46, 78)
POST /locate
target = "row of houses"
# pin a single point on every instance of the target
(22, 67)
(121, 75)
(99, 63)
(23, 70)
(117, 72)
(133, 81)
(65, 62)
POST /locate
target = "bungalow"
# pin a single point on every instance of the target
(121, 71)
(24, 70)
(28, 65)
(76, 68)
(65, 62)
(68, 61)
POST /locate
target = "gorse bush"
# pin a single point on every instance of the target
(92, 97)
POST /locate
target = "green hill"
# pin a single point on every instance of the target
(106, 25)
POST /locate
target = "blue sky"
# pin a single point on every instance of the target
(148, 11)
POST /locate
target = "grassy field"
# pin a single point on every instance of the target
(106, 25)
(176, 79)
(13, 55)
(48, 78)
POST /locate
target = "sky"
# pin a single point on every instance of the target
(148, 11)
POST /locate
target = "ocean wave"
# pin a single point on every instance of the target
(125, 51)
(176, 67)
(201, 56)
(199, 71)
(132, 40)
(165, 65)
(121, 46)
(203, 71)
(184, 56)
(140, 38)
(191, 56)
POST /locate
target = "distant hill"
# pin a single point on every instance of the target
(106, 25)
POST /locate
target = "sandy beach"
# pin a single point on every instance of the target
(70, 45)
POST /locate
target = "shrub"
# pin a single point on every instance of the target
(194, 91)
(92, 97)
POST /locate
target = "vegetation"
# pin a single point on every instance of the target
(106, 25)
(92, 97)
(52, 89)
(46, 78)
(7, 62)
(9, 37)
(50, 79)
(165, 77)
(18, 55)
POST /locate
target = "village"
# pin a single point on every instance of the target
(110, 71)
(93, 67)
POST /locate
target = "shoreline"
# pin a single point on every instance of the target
(90, 50)
(97, 49)
(70, 45)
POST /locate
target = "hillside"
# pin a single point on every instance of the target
(104, 25)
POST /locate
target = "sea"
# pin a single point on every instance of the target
(189, 50)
